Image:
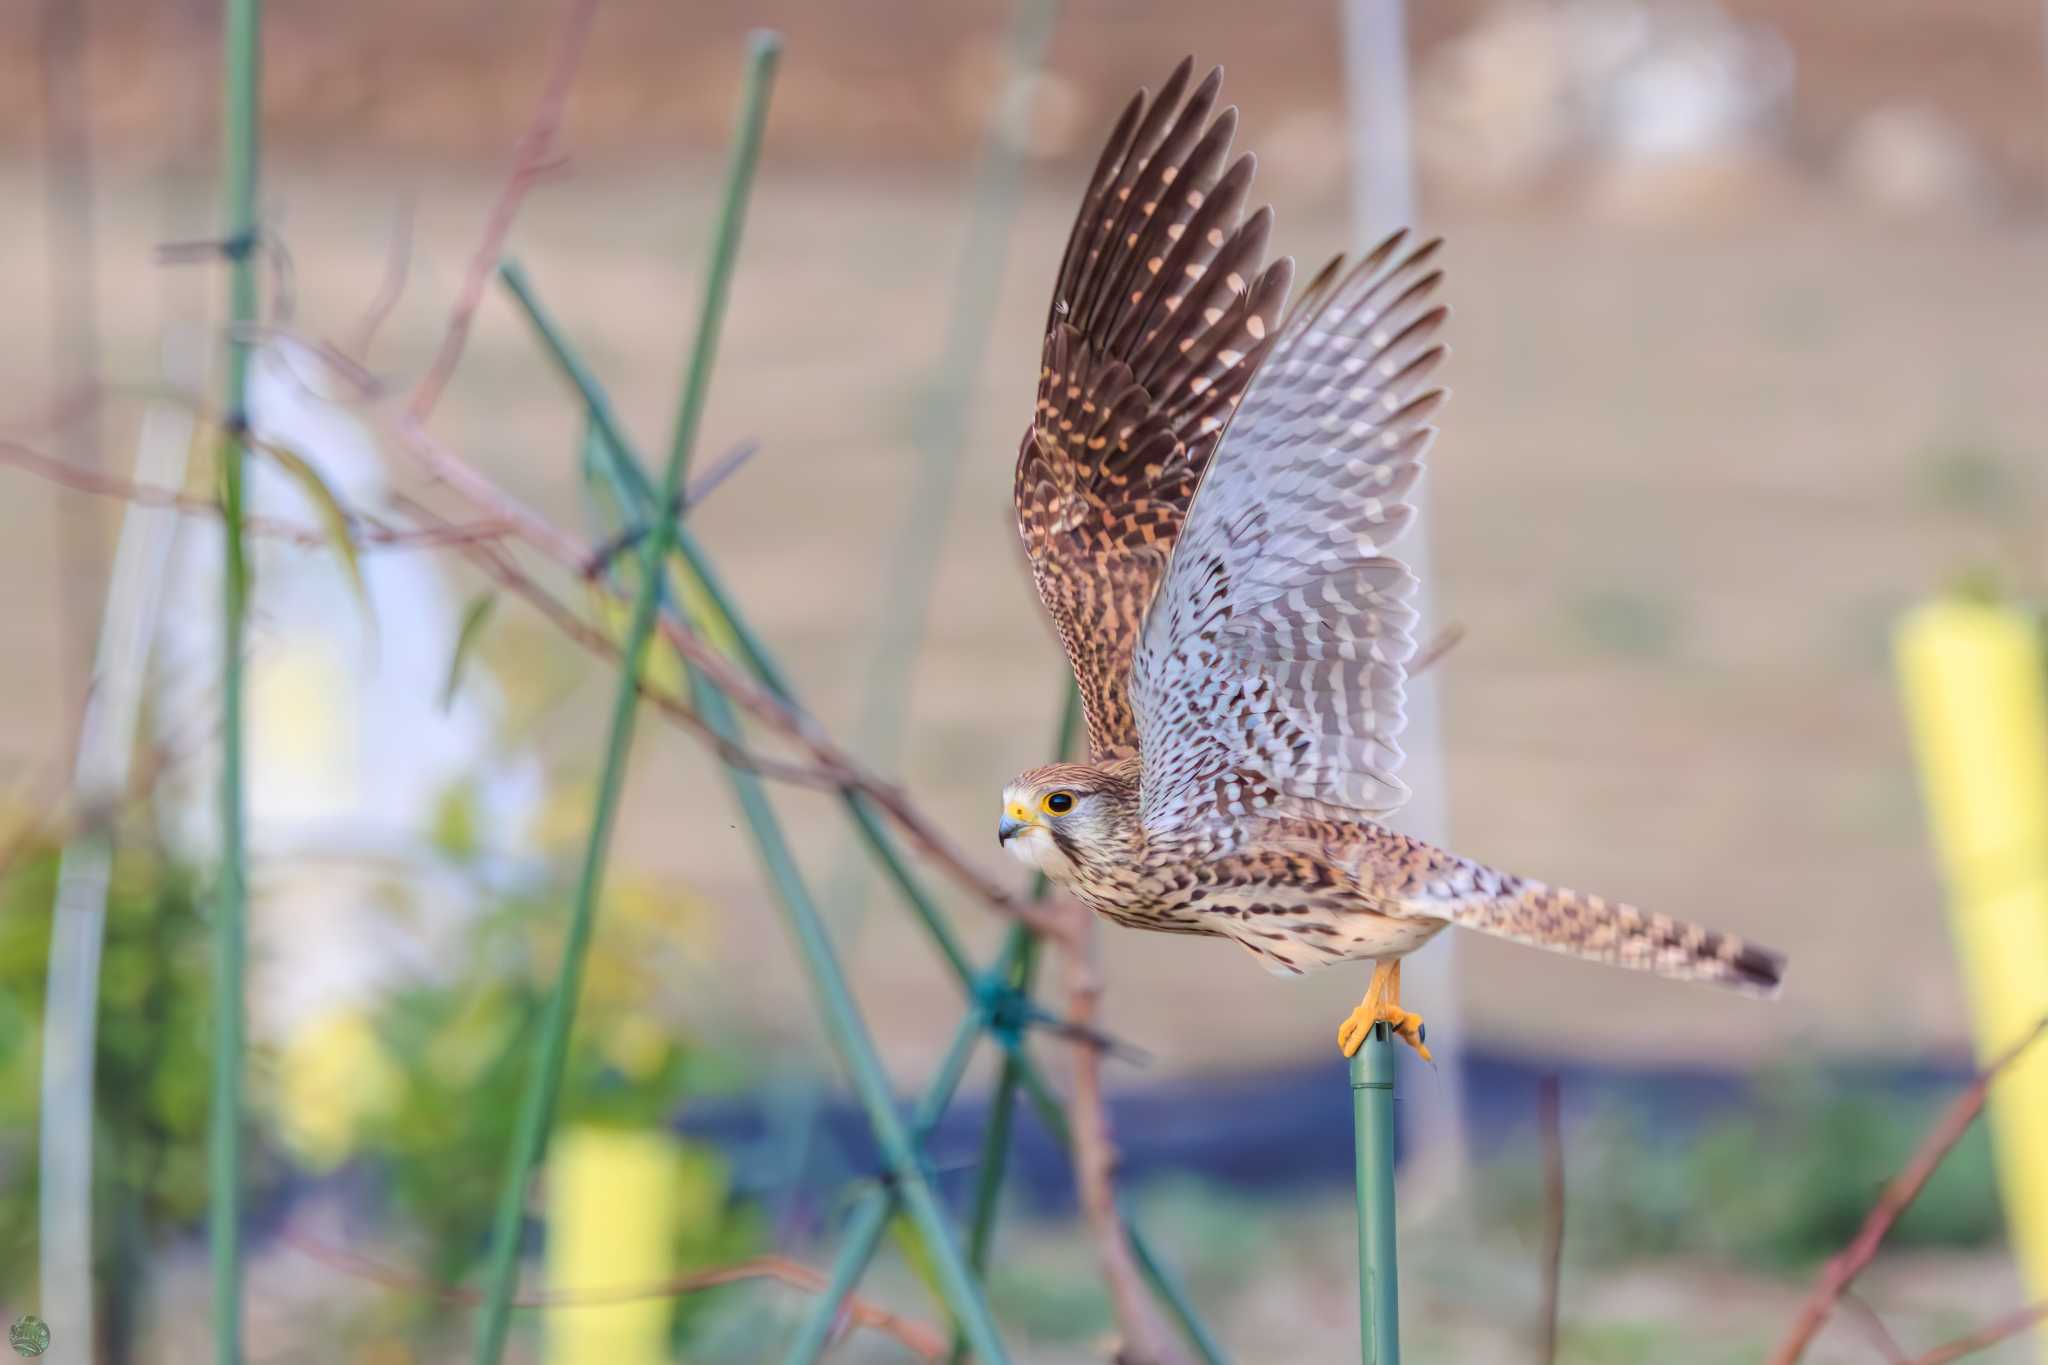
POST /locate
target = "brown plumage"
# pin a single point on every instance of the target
(1206, 494)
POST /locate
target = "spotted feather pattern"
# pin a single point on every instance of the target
(1162, 312)
(1269, 673)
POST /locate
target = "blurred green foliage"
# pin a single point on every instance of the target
(419, 1090)
(469, 1037)
(1785, 1185)
(152, 1075)
(457, 1051)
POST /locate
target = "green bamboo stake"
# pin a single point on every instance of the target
(1002, 1108)
(628, 468)
(231, 914)
(1372, 1115)
(848, 1032)
(1002, 1105)
(870, 1217)
(995, 1141)
(537, 1105)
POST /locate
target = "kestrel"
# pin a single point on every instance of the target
(1207, 494)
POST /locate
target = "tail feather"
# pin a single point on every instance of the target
(1601, 930)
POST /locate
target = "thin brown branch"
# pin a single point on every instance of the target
(73, 405)
(213, 250)
(1431, 654)
(1146, 1340)
(1549, 1121)
(1984, 1338)
(532, 158)
(804, 732)
(723, 468)
(922, 1340)
(1843, 1267)
(367, 530)
(397, 268)
(502, 569)
(1874, 1327)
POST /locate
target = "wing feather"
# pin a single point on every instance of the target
(1270, 670)
(1162, 311)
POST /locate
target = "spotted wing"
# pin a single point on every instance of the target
(1270, 669)
(1161, 314)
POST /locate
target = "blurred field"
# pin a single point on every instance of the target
(1687, 477)
(1717, 419)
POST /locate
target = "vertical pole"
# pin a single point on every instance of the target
(870, 1218)
(230, 915)
(1383, 199)
(1372, 1116)
(106, 746)
(1976, 694)
(537, 1103)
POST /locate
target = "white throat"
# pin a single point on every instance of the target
(1033, 846)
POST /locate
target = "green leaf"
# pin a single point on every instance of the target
(910, 1244)
(333, 518)
(476, 613)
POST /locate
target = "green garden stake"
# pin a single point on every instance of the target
(1372, 1115)
(243, 63)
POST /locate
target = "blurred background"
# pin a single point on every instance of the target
(1747, 360)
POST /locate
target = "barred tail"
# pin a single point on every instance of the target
(1605, 931)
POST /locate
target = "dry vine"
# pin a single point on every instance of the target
(1844, 1266)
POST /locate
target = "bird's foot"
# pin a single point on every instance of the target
(1403, 1024)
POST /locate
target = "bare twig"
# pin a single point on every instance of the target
(1845, 1265)
(208, 250)
(723, 468)
(502, 569)
(1145, 1338)
(530, 161)
(367, 530)
(1874, 1327)
(1550, 1122)
(397, 267)
(1431, 654)
(922, 1340)
(1984, 1338)
(700, 488)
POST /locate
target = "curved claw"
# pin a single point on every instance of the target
(1404, 1024)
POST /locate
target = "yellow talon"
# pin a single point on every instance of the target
(1382, 1005)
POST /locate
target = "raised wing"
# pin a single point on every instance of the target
(1160, 316)
(1270, 669)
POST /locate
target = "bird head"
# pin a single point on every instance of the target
(1062, 818)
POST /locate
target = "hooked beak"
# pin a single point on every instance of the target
(1008, 826)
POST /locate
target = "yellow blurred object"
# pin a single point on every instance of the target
(332, 1075)
(614, 1200)
(1976, 692)
(304, 752)
(636, 1045)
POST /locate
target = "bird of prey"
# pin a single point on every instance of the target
(1208, 493)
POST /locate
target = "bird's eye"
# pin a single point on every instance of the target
(1058, 803)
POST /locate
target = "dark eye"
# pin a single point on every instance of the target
(1059, 803)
